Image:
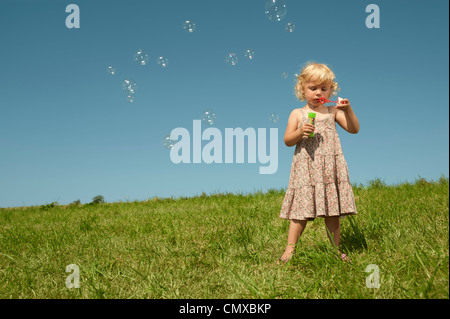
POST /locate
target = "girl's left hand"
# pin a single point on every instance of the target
(344, 105)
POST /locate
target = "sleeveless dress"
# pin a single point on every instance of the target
(319, 183)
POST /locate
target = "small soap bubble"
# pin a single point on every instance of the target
(162, 62)
(208, 117)
(111, 70)
(250, 54)
(141, 57)
(274, 118)
(290, 27)
(129, 86)
(167, 142)
(275, 9)
(284, 75)
(189, 26)
(231, 59)
(130, 98)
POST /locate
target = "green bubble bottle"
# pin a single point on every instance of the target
(312, 121)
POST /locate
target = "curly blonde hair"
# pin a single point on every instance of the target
(318, 73)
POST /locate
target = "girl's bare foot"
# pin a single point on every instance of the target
(290, 249)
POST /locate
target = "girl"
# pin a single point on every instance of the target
(319, 184)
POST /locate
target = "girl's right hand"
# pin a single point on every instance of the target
(307, 129)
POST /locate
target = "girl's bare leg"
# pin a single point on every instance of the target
(333, 228)
(296, 229)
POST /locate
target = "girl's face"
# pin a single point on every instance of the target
(314, 91)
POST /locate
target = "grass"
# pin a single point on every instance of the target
(226, 246)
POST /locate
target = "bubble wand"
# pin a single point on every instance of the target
(323, 100)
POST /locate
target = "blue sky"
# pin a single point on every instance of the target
(67, 131)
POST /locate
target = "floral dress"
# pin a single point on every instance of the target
(319, 184)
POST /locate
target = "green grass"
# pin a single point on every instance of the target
(226, 246)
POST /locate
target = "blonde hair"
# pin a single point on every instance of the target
(318, 73)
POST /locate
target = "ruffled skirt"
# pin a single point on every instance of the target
(318, 187)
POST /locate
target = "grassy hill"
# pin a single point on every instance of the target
(226, 246)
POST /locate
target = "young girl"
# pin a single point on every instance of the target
(319, 184)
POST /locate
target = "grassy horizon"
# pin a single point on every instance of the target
(226, 246)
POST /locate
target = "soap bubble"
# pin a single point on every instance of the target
(189, 26)
(284, 75)
(130, 98)
(141, 57)
(231, 59)
(274, 118)
(208, 117)
(162, 61)
(275, 9)
(129, 86)
(111, 70)
(290, 27)
(167, 142)
(249, 54)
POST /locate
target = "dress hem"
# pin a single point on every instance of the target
(319, 216)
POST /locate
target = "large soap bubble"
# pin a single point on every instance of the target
(276, 9)
(129, 86)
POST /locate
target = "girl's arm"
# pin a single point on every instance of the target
(293, 132)
(347, 119)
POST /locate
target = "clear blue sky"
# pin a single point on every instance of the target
(68, 132)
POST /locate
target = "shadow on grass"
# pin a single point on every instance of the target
(353, 239)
